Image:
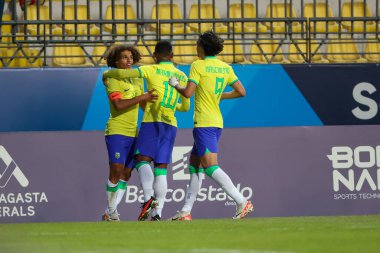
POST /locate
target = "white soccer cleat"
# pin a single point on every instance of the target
(181, 216)
(111, 217)
(243, 209)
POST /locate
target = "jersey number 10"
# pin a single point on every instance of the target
(167, 100)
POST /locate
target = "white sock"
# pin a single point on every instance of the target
(160, 187)
(224, 181)
(146, 179)
(193, 189)
(120, 192)
(111, 196)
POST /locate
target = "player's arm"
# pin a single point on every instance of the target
(142, 105)
(121, 73)
(187, 91)
(184, 106)
(237, 92)
(121, 104)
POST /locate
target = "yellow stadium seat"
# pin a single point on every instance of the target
(206, 12)
(372, 51)
(320, 10)
(35, 58)
(7, 54)
(6, 38)
(185, 51)
(20, 58)
(81, 14)
(357, 10)
(146, 50)
(249, 12)
(232, 52)
(298, 52)
(6, 28)
(69, 55)
(98, 55)
(343, 50)
(169, 11)
(280, 10)
(267, 51)
(121, 12)
(31, 12)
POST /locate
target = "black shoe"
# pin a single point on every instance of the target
(155, 218)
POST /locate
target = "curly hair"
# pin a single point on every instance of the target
(113, 54)
(211, 43)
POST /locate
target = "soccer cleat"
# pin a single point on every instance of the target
(155, 218)
(243, 209)
(181, 216)
(146, 208)
(111, 216)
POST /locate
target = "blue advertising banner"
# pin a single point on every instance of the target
(340, 95)
(59, 99)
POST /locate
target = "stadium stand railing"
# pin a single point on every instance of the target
(54, 32)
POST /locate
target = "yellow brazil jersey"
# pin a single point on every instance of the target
(124, 122)
(211, 77)
(157, 77)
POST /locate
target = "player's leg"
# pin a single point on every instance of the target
(163, 157)
(123, 183)
(195, 183)
(116, 146)
(160, 187)
(146, 144)
(207, 141)
(130, 146)
(147, 141)
(146, 179)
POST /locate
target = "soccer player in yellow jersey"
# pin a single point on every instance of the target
(208, 78)
(158, 129)
(124, 98)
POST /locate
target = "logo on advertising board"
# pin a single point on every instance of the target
(14, 204)
(355, 172)
(179, 169)
(368, 107)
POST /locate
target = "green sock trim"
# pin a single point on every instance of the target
(200, 170)
(160, 172)
(211, 170)
(112, 189)
(122, 185)
(207, 151)
(139, 164)
(192, 169)
(137, 152)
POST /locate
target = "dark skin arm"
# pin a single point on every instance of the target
(238, 91)
(122, 104)
(187, 91)
(142, 105)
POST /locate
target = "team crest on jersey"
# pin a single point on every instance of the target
(117, 155)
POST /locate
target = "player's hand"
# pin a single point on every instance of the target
(173, 81)
(150, 96)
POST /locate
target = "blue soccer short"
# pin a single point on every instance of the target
(121, 149)
(206, 140)
(156, 140)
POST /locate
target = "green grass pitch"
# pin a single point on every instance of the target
(254, 235)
